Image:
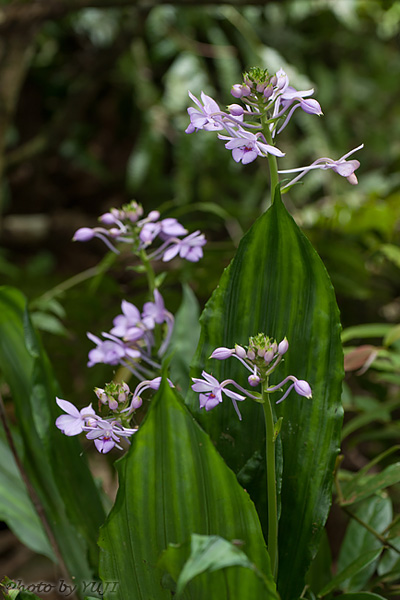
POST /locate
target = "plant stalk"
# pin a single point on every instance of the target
(271, 483)
(272, 162)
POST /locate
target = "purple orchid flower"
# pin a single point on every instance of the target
(107, 434)
(207, 116)
(75, 421)
(342, 167)
(165, 228)
(155, 312)
(246, 146)
(211, 392)
(110, 351)
(129, 325)
(189, 248)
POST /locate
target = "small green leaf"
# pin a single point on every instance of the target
(392, 336)
(359, 596)
(359, 488)
(370, 330)
(209, 553)
(355, 567)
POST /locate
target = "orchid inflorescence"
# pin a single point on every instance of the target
(131, 341)
(261, 357)
(268, 103)
(125, 225)
(116, 405)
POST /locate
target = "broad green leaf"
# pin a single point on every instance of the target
(359, 488)
(320, 570)
(16, 508)
(376, 513)
(355, 567)
(173, 483)
(208, 553)
(53, 462)
(277, 284)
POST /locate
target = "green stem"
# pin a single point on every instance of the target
(271, 483)
(272, 162)
(151, 278)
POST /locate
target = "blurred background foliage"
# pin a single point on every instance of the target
(92, 114)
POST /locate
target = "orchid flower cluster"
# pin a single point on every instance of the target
(268, 103)
(261, 357)
(117, 406)
(125, 225)
(131, 341)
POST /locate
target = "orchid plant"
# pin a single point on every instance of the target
(175, 488)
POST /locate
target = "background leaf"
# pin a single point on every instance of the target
(16, 508)
(53, 462)
(277, 284)
(173, 483)
(377, 513)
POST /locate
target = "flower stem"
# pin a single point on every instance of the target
(271, 483)
(272, 162)
(149, 272)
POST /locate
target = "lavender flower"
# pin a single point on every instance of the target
(246, 146)
(342, 167)
(211, 392)
(110, 351)
(207, 116)
(189, 247)
(75, 421)
(106, 435)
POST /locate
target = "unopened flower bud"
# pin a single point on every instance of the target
(253, 380)
(222, 353)
(236, 110)
(273, 81)
(268, 356)
(136, 402)
(153, 215)
(268, 92)
(114, 232)
(303, 388)
(274, 347)
(239, 351)
(83, 234)
(261, 352)
(113, 404)
(239, 90)
(251, 354)
(107, 218)
(102, 396)
(283, 347)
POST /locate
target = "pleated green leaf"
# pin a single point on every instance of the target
(173, 483)
(16, 508)
(53, 462)
(277, 284)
